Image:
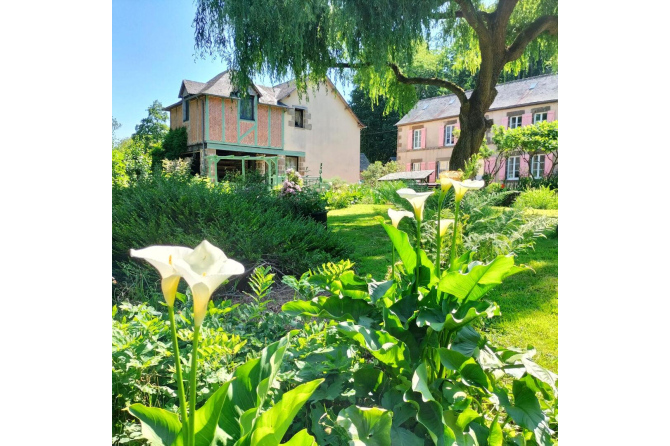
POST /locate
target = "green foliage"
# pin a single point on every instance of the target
(379, 137)
(550, 181)
(344, 195)
(179, 168)
(149, 133)
(175, 144)
(130, 163)
(441, 380)
(305, 202)
(377, 170)
(115, 126)
(542, 198)
(255, 226)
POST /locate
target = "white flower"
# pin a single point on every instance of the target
(396, 216)
(205, 269)
(448, 177)
(162, 258)
(444, 224)
(416, 199)
(461, 187)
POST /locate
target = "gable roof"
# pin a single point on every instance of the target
(532, 90)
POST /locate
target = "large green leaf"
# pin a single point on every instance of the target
(377, 290)
(430, 415)
(366, 426)
(160, 427)
(366, 381)
(540, 373)
(420, 383)
(207, 417)
(248, 391)
(270, 427)
(402, 246)
(403, 437)
(526, 411)
(479, 278)
(466, 341)
(330, 307)
(302, 438)
(471, 372)
(380, 344)
(495, 433)
(468, 312)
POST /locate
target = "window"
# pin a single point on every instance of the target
(292, 163)
(442, 166)
(449, 135)
(247, 108)
(184, 110)
(416, 166)
(514, 122)
(539, 117)
(513, 164)
(417, 139)
(299, 114)
(537, 166)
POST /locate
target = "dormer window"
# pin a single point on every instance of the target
(247, 108)
(184, 110)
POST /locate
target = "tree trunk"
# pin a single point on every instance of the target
(473, 125)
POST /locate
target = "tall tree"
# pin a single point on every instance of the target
(380, 136)
(152, 129)
(115, 126)
(379, 40)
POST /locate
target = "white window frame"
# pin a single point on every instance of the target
(416, 139)
(449, 139)
(516, 166)
(537, 164)
(514, 119)
(416, 166)
(543, 116)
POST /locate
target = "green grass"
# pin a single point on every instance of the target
(528, 301)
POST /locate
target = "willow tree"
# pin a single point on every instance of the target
(378, 41)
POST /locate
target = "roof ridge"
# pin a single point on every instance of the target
(497, 85)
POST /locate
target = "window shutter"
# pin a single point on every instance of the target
(409, 140)
(431, 165)
(423, 138)
(526, 119)
(548, 162)
(457, 126)
(504, 121)
(441, 137)
(409, 167)
(550, 115)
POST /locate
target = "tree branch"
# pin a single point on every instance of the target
(474, 18)
(504, 10)
(541, 24)
(458, 91)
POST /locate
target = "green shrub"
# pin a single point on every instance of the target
(542, 198)
(175, 144)
(343, 195)
(251, 224)
(534, 183)
(377, 170)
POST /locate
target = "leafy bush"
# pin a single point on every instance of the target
(542, 198)
(343, 195)
(535, 183)
(377, 170)
(175, 144)
(255, 226)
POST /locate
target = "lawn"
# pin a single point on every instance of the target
(528, 301)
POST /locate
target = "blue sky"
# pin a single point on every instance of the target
(152, 52)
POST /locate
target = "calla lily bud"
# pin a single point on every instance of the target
(460, 188)
(396, 216)
(205, 269)
(162, 258)
(416, 199)
(444, 224)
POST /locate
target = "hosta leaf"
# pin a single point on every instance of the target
(271, 426)
(479, 278)
(366, 426)
(330, 307)
(402, 246)
(160, 427)
(302, 438)
(380, 344)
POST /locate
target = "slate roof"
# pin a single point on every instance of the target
(364, 162)
(413, 175)
(510, 94)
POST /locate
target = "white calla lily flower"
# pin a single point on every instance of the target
(396, 216)
(444, 224)
(162, 258)
(205, 269)
(448, 177)
(416, 199)
(461, 187)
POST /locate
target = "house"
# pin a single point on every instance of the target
(273, 127)
(426, 135)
